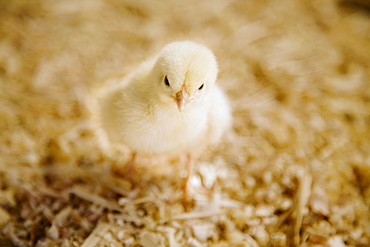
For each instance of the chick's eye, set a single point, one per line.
(201, 86)
(166, 82)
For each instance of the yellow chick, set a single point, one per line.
(170, 105)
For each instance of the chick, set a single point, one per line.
(170, 105)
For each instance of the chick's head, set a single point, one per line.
(186, 71)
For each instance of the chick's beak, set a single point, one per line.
(182, 99)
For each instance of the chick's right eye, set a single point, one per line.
(166, 82)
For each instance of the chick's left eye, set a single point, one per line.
(201, 86)
(166, 82)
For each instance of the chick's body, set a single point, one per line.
(170, 104)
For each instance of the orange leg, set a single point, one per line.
(189, 168)
(130, 168)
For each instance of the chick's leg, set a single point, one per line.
(130, 167)
(189, 168)
(127, 172)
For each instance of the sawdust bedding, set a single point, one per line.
(294, 171)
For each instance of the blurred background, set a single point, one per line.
(295, 171)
